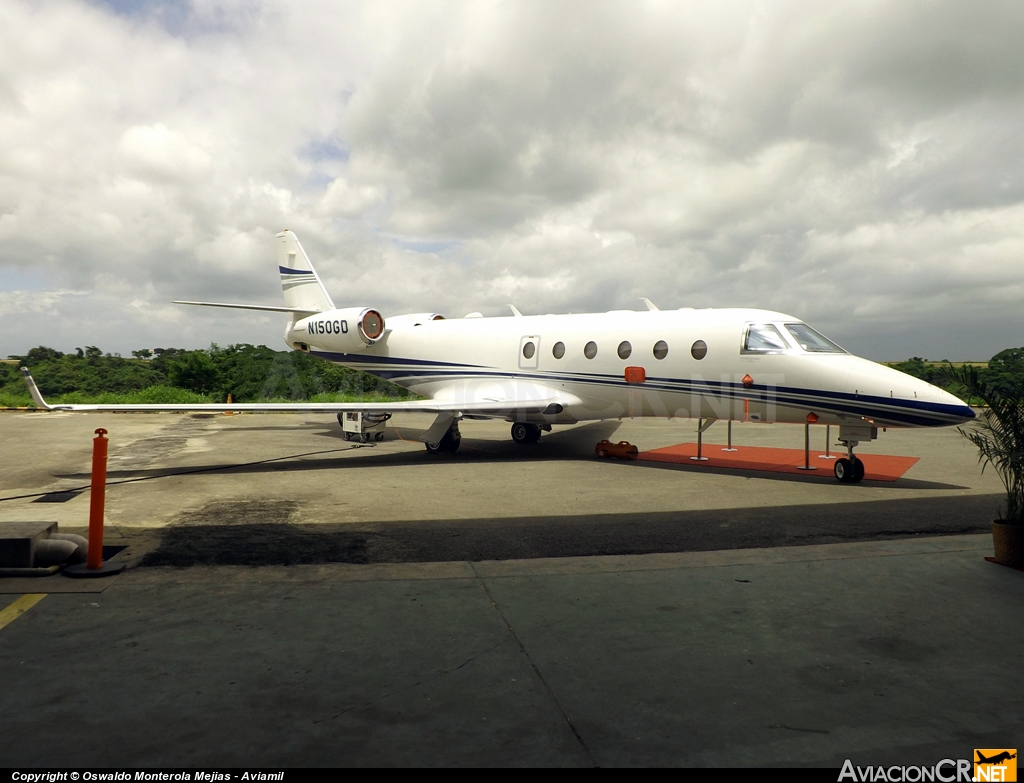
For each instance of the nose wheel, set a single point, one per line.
(847, 471)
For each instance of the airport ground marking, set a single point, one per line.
(18, 607)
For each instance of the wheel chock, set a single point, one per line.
(623, 449)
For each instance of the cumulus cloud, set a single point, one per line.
(859, 167)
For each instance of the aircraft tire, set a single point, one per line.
(452, 439)
(525, 433)
(858, 471)
(449, 443)
(843, 470)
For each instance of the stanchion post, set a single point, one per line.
(811, 418)
(700, 441)
(828, 443)
(729, 447)
(97, 497)
(94, 565)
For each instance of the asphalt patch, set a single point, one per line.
(252, 532)
(269, 543)
(259, 533)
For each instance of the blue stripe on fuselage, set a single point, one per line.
(902, 410)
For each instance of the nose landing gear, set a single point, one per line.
(849, 469)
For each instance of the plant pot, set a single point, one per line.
(1008, 541)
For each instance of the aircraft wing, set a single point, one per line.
(489, 401)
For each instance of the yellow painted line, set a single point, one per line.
(21, 605)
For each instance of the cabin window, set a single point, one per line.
(660, 349)
(529, 349)
(812, 341)
(558, 350)
(763, 338)
(625, 349)
(699, 350)
(590, 350)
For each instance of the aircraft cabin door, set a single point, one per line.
(529, 352)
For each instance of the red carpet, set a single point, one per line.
(877, 467)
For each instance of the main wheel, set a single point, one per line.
(449, 443)
(843, 470)
(858, 471)
(525, 433)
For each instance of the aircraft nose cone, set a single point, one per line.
(957, 406)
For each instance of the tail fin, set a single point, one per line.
(302, 287)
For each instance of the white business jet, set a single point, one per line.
(539, 371)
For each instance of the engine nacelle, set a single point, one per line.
(412, 319)
(343, 331)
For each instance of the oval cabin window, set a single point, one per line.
(529, 349)
(660, 349)
(590, 350)
(625, 349)
(558, 350)
(699, 350)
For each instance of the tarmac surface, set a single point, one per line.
(296, 600)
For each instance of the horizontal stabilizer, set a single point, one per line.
(266, 308)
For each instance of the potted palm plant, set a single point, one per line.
(998, 432)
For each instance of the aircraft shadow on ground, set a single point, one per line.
(252, 533)
(573, 444)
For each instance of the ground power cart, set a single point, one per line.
(363, 426)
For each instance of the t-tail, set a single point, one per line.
(303, 290)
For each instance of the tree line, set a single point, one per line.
(1004, 372)
(249, 373)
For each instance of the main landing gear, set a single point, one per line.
(525, 433)
(449, 442)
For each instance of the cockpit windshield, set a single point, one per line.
(764, 338)
(812, 341)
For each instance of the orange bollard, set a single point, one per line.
(94, 565)
(97, 497)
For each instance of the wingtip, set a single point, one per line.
(33, 390)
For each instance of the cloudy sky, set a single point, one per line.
(856, 165)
